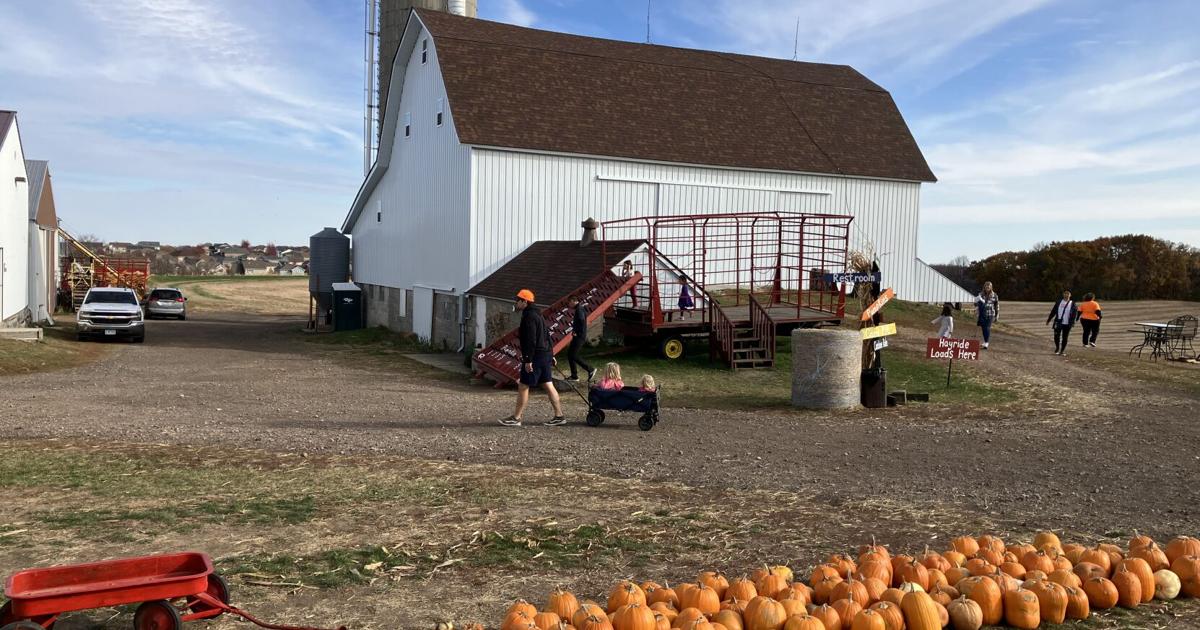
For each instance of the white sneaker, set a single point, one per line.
(511, 421)
(985, 346)
(1092, 345)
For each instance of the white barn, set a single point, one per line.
(43, 243)
(14, 225)
(496, 136)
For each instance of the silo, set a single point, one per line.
(329, 262)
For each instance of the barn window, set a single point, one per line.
(440, 108)
(407, 125)
(424, 51)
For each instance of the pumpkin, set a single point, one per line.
(991, 541)
(585, 610)
(876, 567)
(851, 589)
(714, 580)
(1072, 552)
(1020, 549)
(562, 603)
(1101, 593)
(846, 609)
(594, 622)
(519, 619)
(1182, 546)
(522, 606)
(1145, 576)
(1129, 587)
(822, 571)
(796, 591)
(893, 618)
(943, 615)
(770, 583)
(868, 620)
(914, 572)
(842, 563)
(741, 588)
(1111, 549)
(955, 558)
(893, 595)
(987, 594)
(956, 575)
(920, 611)
(805, 622)
(1014, 569)
(992, 556)
(1190, 586)
(624, 593)
(1088, 570)
(979, 566)
(700, 596)
(793, 607)
(1062, 562)
(941, 596)
(634, 617)
(824, 589)
(965, 545)
(687, 617)
(828, 617)
(551, 621)
(1099, 558)
(662, 622)
(935, 561)
(664, 594)
(898, 560)
(764, 613)
(1022, 609)
(736, 605)
(1139, 541)
(665, 609)
(1186, 566)
(874, 548)
(1007, 582)
(965, 614)
(910, 587)
(875, 588)
(1077, 603)
(1041, 539)
(1052, 601)
(1153, 555)
(1065, 577)
(1038, 561)
(1166, 584)
(729, 618)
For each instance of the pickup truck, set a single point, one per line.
(110, 312)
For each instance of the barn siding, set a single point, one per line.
(14, 231)
(520, 197)
(424, 194)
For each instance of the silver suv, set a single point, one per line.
(166, 302)
(110, 312)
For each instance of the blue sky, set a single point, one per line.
(191, 120)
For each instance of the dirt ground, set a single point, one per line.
(1095, 446)
(1117, 329)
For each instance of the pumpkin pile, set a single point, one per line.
(977, 582)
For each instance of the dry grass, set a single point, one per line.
(57, 350)
(260, 296)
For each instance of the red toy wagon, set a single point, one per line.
(171, 589)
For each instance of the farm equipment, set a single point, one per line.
(170, 589)
(85, 269)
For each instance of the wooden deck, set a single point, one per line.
(634, 319)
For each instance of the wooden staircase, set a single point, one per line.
(742, 348)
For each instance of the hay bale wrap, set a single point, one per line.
(826, 368)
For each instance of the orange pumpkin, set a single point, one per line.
(731, 619)
(1153, 555)
(741, 588)
(701, 596)
(1190, 586)
(893, 595)
(965, 545)
(1077, 603)
(1088, 570)
(634, 617)
(955, 558)
(1042, 539)
(1052, 601)
(624, 593)
(920, 611)
(875, 588)
(842, 563)
(764, 613)
(714, 580)
(664, 594)
(1065, 577)
(1145, 576)
(550, 621)
(873, 548)
(1038, 561)
(893, 618)
(1072, 551)
(915, 572)
(770, 583)
(796, 591)
(1129, 587)
(1014, 569)
(793, 607)
(868, 620)
(665, 609)
(876, 567)
(519, 619)
(594, 622)
(827, 616)
(662, 622)
(687, 617)
(986, 593)
(1186, 566)
(1102, 594)
(851, 589)
(992, 556)
(585, 610)
(823, 590)
(805, 622)
(1182, 546)
(1022, 609)
(846, 609)
(1099, 558)
(934, 560)
(736, 605)
(522, 606)
(822, 571)
(562, 603)
(1062, 562)
(991, 541)
(956, 575)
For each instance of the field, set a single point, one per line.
(335, 481)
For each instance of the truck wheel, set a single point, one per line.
(139, 339)
(157, 615)
(671, 347)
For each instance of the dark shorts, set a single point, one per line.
(542, 372)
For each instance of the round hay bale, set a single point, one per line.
(826, 368)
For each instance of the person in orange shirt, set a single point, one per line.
(1089, 318)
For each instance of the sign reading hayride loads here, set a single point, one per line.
(960, 349)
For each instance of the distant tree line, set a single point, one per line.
(1131, 267)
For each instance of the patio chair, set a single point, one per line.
(1181, 333)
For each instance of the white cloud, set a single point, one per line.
(514, 12)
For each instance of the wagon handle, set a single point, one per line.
(216, 603)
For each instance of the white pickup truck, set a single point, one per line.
(110, 312)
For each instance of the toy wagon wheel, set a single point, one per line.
(646, 422)
(217, 589)
(595, 417)
(157, 615)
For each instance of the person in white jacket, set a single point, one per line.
(945, 321)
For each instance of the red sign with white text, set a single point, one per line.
(943, 348)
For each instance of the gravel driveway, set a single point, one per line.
(1086, 450)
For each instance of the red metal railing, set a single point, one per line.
(720, 334)
(763, 327)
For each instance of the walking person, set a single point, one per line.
(626, 274)
(537, 361)
(945, 321)
(987, 305)
(686, 301)
(1089, 318)
(1063, 315)
(579, 329)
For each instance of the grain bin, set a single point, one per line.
(826, 367)
(329, 263)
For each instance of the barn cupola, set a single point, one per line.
(589, 232)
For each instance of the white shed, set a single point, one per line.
(495, 136)
(43, 243)
(14, 225)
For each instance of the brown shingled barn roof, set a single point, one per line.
(523, 88)
(551, 269)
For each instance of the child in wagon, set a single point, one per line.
(612, 378)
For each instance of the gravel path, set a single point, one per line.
(1087, 451)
